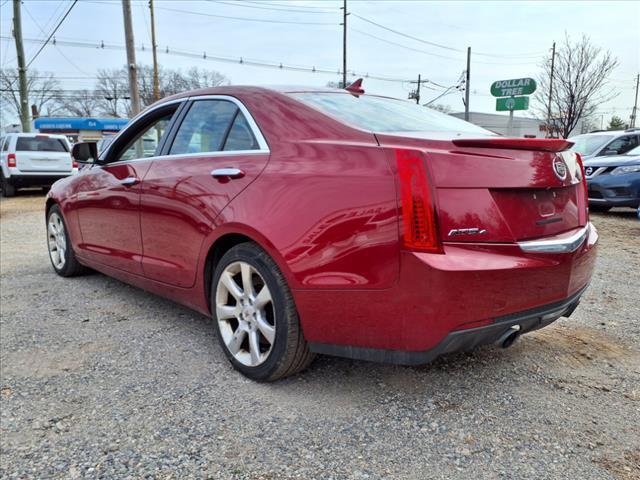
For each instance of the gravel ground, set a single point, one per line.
(102, 380)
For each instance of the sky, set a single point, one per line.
(430, 38)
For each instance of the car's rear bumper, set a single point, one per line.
(35, 180)
(462, 340)
(615, 190)
(442, 303)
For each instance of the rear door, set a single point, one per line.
(214, 153)
(43, 153)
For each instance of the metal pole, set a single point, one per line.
(156, 80)
(22, 69)
(510, 124)
(553, 61)
(131, 58)
(634, 115)
(344, 44)
(467, 85)
(418, 91)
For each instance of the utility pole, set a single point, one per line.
(415, 94)
(634, 113)
(553, 62)
(131, 58)
(344, 43)
(22, 68)
(467, 85)
(156, 80)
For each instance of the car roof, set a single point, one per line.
(36, 134)
(609, 133)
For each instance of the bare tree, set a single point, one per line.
(579, 83)
(82, 104)
(43, 88)
(111, 92)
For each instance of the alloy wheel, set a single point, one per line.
(57, 240)
(245, 313)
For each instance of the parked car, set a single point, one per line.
(333, 222)
(33, 160)
(614, 181)
(605, 143)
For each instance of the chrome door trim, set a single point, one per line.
(557, 245)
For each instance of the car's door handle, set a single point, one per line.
(227, 173)
(129, 181)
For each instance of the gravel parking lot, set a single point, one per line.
(102, 380)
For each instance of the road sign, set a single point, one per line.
(510, 104)
(510, 88)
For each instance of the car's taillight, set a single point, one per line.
(11, 160)
(420, 229)
(583, 180)
(74, 164)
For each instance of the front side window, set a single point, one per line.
(621, 145)
(204, 127)
(146, 142)
(380, 114)
(588, 144)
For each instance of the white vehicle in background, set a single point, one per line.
(33, 160)
(605, 142)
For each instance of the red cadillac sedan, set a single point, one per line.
(312, 221)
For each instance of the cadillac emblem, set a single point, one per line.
(560, 168)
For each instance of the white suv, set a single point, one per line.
(33, 160)
(607, 142)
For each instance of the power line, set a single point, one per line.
(218, 58)
(433, 44)
(228, 17)
(52, 33)
(406, 47)
(245, 4)
(44, 33)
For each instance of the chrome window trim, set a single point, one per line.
(257, 133)
(129, 125)
(562, 245)
(228, 153)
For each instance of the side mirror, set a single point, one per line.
(85, 152)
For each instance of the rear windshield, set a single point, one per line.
(378, 114)
(589, 144)
(41, 144)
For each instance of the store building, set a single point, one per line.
(80, 129)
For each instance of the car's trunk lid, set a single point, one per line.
(501, 189)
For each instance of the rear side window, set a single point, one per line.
(41, 144)
(379, 114)
(204, 127)
(5, 146)
(240, 136)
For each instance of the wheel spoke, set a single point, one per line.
(236, 341)
(267, 330)
(254, 347)
(231, 286)
(225, 312)
(247, 281)
(264, 297)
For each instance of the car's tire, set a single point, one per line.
(63, 258)
(8, 190)
(259, 329)
(599, 208)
